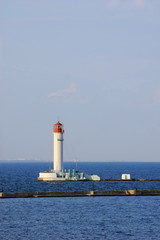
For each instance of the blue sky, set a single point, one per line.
(92, 64)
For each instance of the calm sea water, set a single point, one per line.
(81, 217)
(22, 176)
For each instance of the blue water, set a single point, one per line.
(22, 176)
(81, 218)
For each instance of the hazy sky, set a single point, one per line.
(92, 64)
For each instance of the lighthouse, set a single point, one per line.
(58, 173)
(58, 146)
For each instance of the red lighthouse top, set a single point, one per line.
(58, 127)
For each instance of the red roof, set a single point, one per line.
(58, 123)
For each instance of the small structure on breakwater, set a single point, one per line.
(126, 176)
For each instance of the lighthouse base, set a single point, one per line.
(50, 176)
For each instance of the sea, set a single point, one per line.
(80, 218)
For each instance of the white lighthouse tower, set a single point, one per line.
(58, 147)
(58, 173)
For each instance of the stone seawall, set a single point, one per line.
(130, 180)
(133, 192)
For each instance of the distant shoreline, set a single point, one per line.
(50, 161)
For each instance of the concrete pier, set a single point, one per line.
(92, 193)
(129, 180)
(102, 180)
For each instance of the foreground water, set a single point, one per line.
(81, 218)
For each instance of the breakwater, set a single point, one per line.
(103, 179)
(130, 180)
(92, 193)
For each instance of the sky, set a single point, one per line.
(94, 65)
